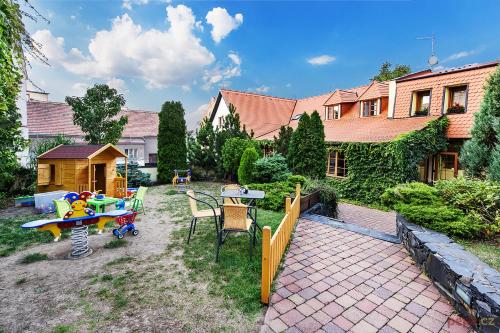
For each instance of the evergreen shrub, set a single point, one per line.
(247, 165)
(271, 169)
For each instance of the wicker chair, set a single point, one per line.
(229, 201)
(214, 211)
(236, 218)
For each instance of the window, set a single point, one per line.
(221, 121)
(447, 165)
(370, 108)
(337, 166)
(131, 153)
(421, 101)
(456, 99)
(333, 112)
(52, 173)
(153, 158)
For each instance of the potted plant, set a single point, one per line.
(456, 108)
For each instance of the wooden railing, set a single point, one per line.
(274, 247)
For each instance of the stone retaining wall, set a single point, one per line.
(471, 285)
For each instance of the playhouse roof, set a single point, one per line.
(80, 151)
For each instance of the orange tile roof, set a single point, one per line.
(260, 113)
(375, 90)
(52, 118)
(342, 96)
(371, 129)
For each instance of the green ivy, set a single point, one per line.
(374, 167)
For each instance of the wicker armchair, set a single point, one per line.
(214, 210)
(229, 201)
(236, 218)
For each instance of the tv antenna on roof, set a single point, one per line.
(433, 59)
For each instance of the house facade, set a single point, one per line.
(46, 119)
(376, 112)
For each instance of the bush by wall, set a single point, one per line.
(327, 196)
(429, 207)
(374, 167)
(135, 177)
(276, 192)
(247, 164)
(271, 169)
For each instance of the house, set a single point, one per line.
(80, 167)
(377, 112)
(47, 119)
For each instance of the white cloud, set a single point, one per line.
(118, 84)
(79, 88)
(459, 55)
(73, 17)
(160, 58)
(222, 72)
(127, 4)
(262, 89)
(321, 60)
(288, 85)
(222, 23)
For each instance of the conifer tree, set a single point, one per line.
(172, 151)
(481, 154)
(282, 142)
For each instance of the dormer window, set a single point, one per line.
(420, 103)
(455, 99)
(333, 112)
(370, 108)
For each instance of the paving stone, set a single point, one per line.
(322, 317)
(376, 319)
(315, 304)
(332, 328)
(277, 325)
(426, 302)
(284, 306)
(366, 306)
(343, 323)
(430, 323)
(394, 304)
(417, 309)
(308, 293)
(346, 301)
(400, 324)
(363, 327)
(338, 290)
(353, 314)
(291, 317)
(305, 309)
(309, 324)
(333, 309)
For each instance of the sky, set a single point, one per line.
(154, 51)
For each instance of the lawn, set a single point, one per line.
(236, 276)
(487, 251)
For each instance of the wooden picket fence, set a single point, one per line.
(274, 247)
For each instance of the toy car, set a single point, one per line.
(126, 223)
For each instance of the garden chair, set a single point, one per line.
(137, 200)
(236, 218)
(62, 207)
(228, 201)
(214, 210)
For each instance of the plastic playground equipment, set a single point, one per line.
(126, 223)
(78, 218)
(181, 177)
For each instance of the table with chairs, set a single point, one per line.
(233, 215)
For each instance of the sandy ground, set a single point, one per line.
(150, 292)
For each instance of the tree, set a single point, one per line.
(96, 114)
(39, 147)
(247, 165)
(282, 142)
(307, 153)
(15, 44)
(232, 152)
(481, 154)
(172, 151)
(387, 73)
(201, 149)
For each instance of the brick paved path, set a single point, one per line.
(335, 280)
(369, 218)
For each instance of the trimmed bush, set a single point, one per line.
(434, 208)
(275, 194)
(233, 150)
(247, 164)
(271, 169)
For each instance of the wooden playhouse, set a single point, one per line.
(78, 168)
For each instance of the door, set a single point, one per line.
(99, 177)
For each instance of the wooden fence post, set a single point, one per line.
(288, 205)
(297, 195)
(266, 265)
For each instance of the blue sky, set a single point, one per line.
(153, 51)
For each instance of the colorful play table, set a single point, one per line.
(100, 204)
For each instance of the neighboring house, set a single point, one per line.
(139, 139)
(377, 112)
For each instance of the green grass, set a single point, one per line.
(63, 328)
(115, 243)
(171, 192)
(236, 276)
(487, 251)
(34, 257)
(21, 281)
(120, 260)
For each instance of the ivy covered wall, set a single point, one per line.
(374, 167)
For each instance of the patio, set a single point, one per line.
(335, 280)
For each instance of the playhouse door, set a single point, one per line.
(99, 177)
